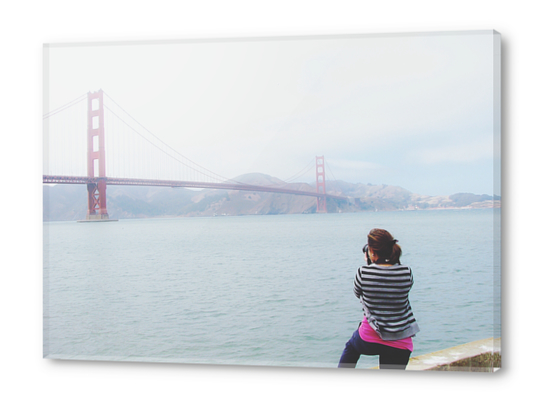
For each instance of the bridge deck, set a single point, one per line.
(191, 184)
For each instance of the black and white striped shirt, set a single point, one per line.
(383, 291)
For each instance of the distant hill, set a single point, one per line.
(65, 202)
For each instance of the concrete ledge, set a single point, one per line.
(98, 220)
(454, 354)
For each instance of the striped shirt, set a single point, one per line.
(383, 292)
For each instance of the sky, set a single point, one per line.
(418, 111)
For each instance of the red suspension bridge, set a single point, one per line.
(151, 162)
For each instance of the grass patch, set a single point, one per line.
(485, 362)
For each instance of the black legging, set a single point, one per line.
(388, 357)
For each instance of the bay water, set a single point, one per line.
(258, 290)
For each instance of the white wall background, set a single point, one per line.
(25, 26)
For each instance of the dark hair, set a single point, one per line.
(384, 246)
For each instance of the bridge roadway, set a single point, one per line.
(176, 183)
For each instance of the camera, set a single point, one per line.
(366, 252)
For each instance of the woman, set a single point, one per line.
(382, 286)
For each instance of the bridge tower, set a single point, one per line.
(320, 184)
(97, 209)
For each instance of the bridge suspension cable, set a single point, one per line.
(212, 175)
(330, 171)
(296, 176)
(178, 158)
(64, 107)
(301, 172)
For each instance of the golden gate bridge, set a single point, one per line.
(75, 154)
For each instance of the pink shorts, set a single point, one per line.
(368, 334)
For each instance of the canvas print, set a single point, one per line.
(313, 201)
